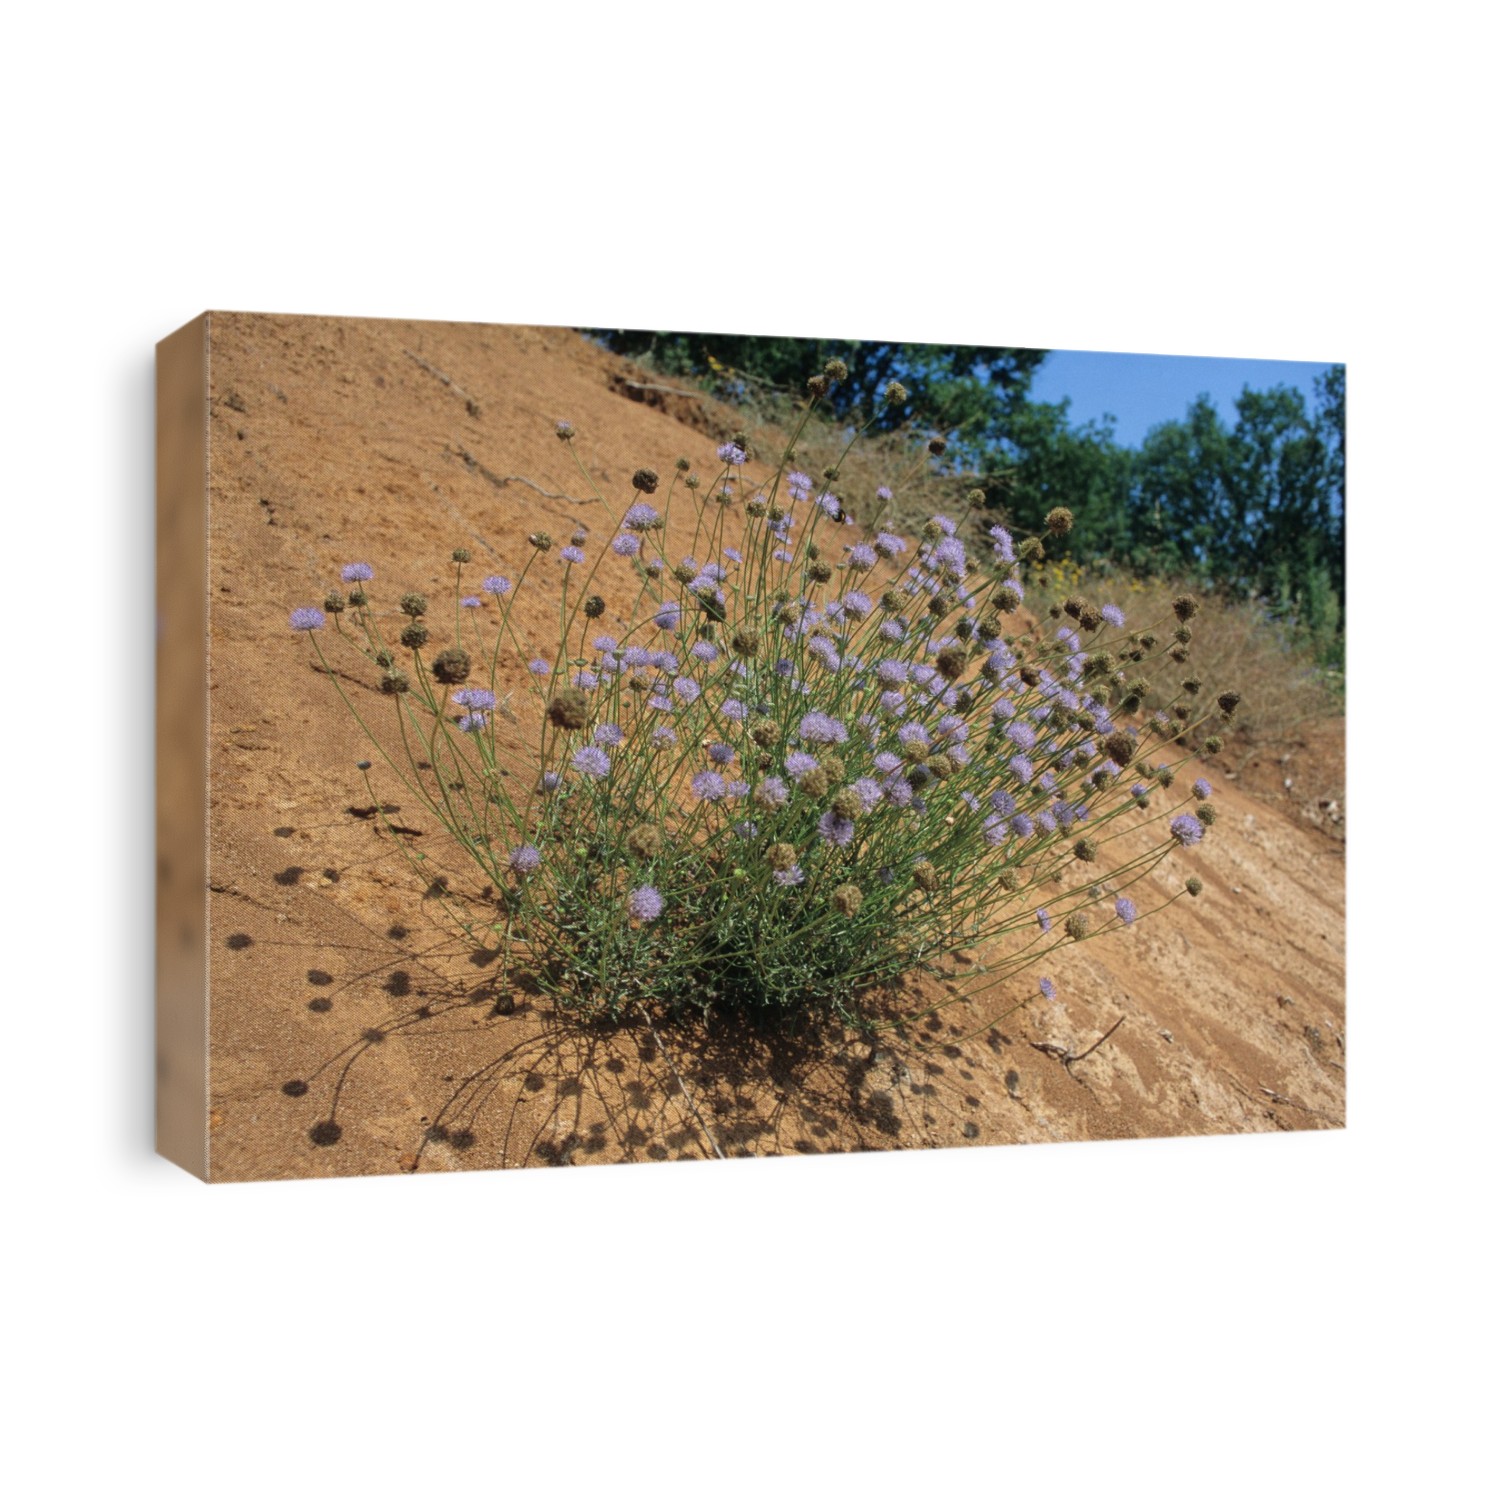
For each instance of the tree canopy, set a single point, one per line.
(1254, 507)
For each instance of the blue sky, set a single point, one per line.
(1140, 390)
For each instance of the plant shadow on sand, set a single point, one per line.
(503, 1078)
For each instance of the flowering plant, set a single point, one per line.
(786, 770)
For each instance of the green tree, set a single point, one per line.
(966, 392)
(1257, 509)
(1047, 462)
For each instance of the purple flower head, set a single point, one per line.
(525, 860)
(663, 736)
(1140, 789)
(858, 603)
(472, 601)
(897, 791)
(1021, 768)
(356, 572)
(1186, 829)
(883, 493)
(887, 761)
(1125, 910)
(995, 830)
(1022, 826)
(660, 702)
(668, 616)
(1047, 989)
(861, 555)
(738, 789)
(734, 710)
(889, 545)
(708, 785)
(949, 556)
(474, 698)
(833, 829)
(625, 545)
(867, 789)
(644, 903)
(606, 643)
(799, 763)
(721, 755)
(734, 554)
(591, 761)
(829, 505)
(892, 630)
(1022, 735)
(947, 527)
(539, 668)
(1202, 790)
(551, 780)
(472, 723)
(818, 729)
(798, 485)
(704, 651)
(1113, 615)
(586, 679)
(731, 453)
(496, 585)
(687, 689)
(641, 517)
(636, 656)
(825, 651)
(772, 792)
(307, 618)
(1002, 802)
(794, 876)
(1004, 547)
(893, 700)
(1043, 919)
(890, 672)
(571, 554)
(608, 735)
(913, 734)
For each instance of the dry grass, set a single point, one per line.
(1235, 645)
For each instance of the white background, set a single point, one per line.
(1277, 1315)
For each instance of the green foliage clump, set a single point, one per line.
(795, 766)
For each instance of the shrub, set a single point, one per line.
(818, 758)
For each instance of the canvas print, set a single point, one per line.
(596, 746)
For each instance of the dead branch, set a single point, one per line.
(446, 379)
(1067, 1057)
(668, 390)
(501, 480)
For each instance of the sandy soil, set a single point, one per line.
(351, 1033)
